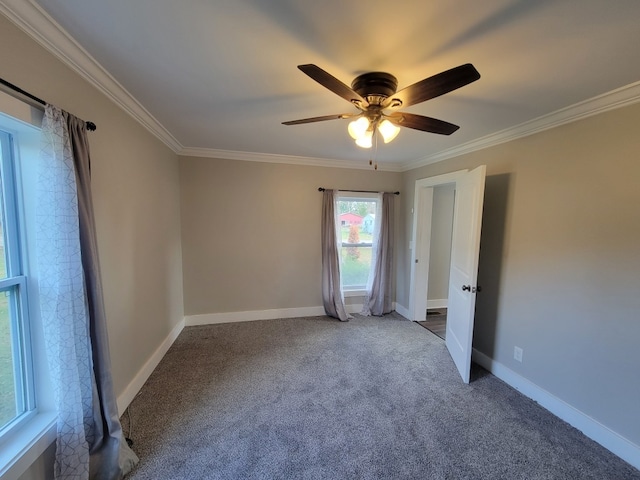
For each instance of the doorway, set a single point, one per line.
(443, 205)
(463, 266)
(433, 212)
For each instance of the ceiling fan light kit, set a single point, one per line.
(363, 128)
(388, 130)
(357, 128)
(375, 95)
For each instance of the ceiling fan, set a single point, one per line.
(374, 95)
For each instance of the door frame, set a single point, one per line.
(421, 238)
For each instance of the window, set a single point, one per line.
(355, 224)
(16, 385)
(27, 412)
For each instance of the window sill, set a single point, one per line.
(25, 446)
(354, 293)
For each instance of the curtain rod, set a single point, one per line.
(90, 125)
(321, 189)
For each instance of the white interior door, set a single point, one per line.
(465, 249)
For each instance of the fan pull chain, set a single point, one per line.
(375, 151)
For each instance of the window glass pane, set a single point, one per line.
(356, 262)
(356, 223)
(7, 377)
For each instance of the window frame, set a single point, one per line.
(15, 283)
(32, 435)
(353, 290)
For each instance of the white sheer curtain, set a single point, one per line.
(63, 298)
(379, 297)
(72, 311)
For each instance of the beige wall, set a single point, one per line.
(251, 231)
(441, 235)
(135, 183)
(559, 261)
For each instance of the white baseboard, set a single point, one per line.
(249, 316)
(130, 392)
(402, 310)
(438, 303)
(593, 429)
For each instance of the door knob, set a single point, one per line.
(466, 288)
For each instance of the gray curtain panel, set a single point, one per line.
(379, 299)
(331, 289)
(110, 456)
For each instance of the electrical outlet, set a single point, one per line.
(517, 354)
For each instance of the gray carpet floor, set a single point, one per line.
(314, 398)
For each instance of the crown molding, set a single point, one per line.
(35, 22)
(287, 159)
(620, 97)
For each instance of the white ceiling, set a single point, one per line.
(220, 75)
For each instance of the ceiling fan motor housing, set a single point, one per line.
(375, 86)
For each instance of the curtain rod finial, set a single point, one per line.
(320, 189)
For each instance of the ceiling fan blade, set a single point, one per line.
(332, 83)
(419, 122)
(434, 86)
(320, 119)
